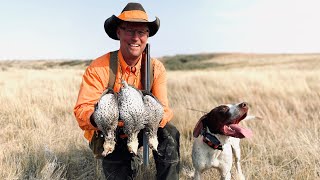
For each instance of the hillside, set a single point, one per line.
(189, 62)
(40, 138)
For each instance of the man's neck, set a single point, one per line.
(132, 61)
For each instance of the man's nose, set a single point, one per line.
(135, 34)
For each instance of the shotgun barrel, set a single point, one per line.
(147, 88)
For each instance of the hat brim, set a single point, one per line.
(111, 25)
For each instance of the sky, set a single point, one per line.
(73, 29)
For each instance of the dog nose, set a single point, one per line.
(243, 105)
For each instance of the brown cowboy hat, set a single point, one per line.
(133, 12)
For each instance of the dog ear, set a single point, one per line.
(197, 129)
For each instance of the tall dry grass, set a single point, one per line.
(40, 138)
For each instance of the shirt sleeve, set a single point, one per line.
(90, 91)
(159, 89)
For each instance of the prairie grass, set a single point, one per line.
(40, 138)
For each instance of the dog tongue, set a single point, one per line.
(240, 132)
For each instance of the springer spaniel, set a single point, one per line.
(217, 134)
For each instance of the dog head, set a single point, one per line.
(224, 120)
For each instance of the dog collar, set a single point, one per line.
(211, 140)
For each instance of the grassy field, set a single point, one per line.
(40, 138)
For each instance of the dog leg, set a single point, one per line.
(237, 154)
(225, 162)
(238, 165)
(225, 175)
(215, 161)
(197, 175)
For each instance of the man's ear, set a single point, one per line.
(118, 33)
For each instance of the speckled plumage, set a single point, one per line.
(132, 112)
(154, 114)
(106, 117)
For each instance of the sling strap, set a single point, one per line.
(113, 67)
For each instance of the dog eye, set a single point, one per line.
(224, 109)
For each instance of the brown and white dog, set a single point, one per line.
(217, 134)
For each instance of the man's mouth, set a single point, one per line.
(134, 45)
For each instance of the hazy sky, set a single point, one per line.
(73, 29)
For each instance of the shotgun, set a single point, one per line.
(147, 88)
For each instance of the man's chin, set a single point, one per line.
(135, 53)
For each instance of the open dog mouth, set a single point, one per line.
(235, 130)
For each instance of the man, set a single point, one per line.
(132, 29)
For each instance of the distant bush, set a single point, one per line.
(4, 69)
(189, 62)
(75, 63)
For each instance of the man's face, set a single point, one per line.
(133, 39)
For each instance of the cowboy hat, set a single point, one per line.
(133, 12)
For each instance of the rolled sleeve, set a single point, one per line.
(159, 89)
(90, 91)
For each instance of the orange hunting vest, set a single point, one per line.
(96, 79)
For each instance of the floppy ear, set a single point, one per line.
(197, 129)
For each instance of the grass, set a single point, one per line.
(40, 138)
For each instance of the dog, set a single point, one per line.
(217, 134)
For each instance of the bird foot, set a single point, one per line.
(133, 147)
(153, 143)
(108, 147)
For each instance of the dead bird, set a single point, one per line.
(132, 112)
(154, 114)
(106, 117)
